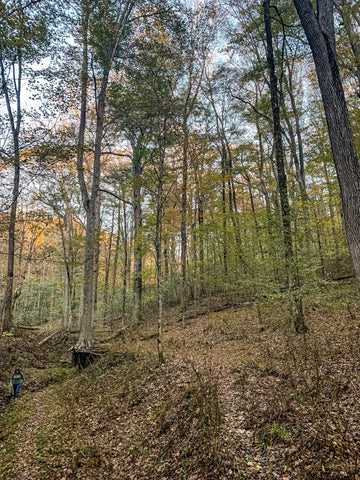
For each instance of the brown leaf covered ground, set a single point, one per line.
(231, 402)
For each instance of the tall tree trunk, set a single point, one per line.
(81, 146)
(200, 218)
(107, 270)
(7, 311)
(91, 205)
(183, 232)
(116, 260)
(92, 202)
(224, 213)
(15, 124)
(96, 254)
(127, 260)
(319, 30)
(158, 277)
(293, 280)
(64, 224)
(158, 229)
(137, 169)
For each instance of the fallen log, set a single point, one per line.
(215, 310)
(49, 337)
(23, 327)
(116, 335)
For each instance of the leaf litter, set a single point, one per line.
(229, 403)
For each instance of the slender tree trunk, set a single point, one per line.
(127, 261)
(319, 30)
(92, 202)
(66, 242)
(107, 269)
(96, 254)
(116, 260)
(200, 219)
(92, 226)
(159, 280)
(223, 205)
(7, 312)
(137, 169)
(293, 279)
(80, 159)
(183, 232)
(166, 257)
(15, 125)
(263, 189)
(69, 265)
(158, 229)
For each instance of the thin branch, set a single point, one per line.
(148, 15)
(116, 196)
(168, 192)
(29, 4)
(128, 155)
(252, 106)
(36, 259)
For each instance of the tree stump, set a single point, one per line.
(82, 358)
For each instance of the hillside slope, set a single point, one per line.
(230, 402)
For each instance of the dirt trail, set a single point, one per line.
(26, 448)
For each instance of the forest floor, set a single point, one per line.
(232, 401)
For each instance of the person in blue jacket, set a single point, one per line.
(16, 381)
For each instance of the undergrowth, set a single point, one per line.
(232, 401)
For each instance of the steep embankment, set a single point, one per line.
(230, 403)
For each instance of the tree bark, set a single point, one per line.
(137, 169)
(319, 30)
(15, 124)
(158, 229)
(91, 202)
(107, 307)
(293, 281)
(184, 202)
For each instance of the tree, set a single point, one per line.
(136, 100)
(196, 45)
(345, 9)
(297, 313)
(319, 29)
(22, 39)
(104, 38)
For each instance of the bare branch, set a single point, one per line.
(128, 155)
(246, 102)
(116, 196)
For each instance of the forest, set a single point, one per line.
(180, 239)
